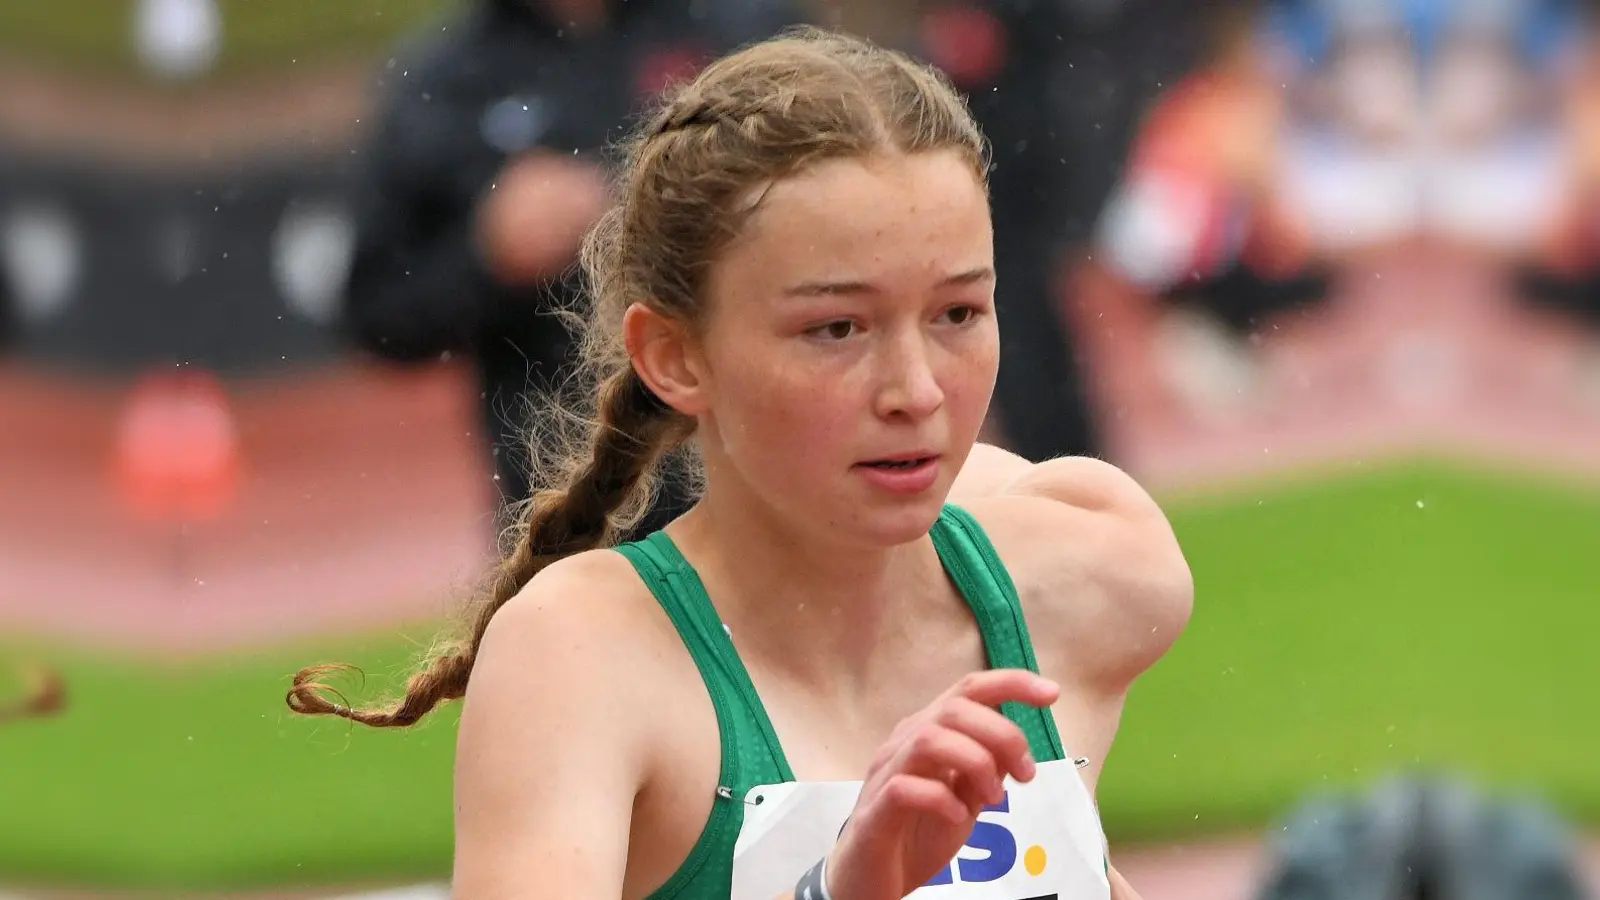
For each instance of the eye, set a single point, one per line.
(961, 315)
(837, 330)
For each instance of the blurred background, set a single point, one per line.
(1323, 274)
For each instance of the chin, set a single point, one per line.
(891, 525)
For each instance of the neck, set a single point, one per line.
(820, 610)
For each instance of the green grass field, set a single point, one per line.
(96, 35)
(1345, 627)
(197, 777)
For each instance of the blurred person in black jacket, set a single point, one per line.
(7, 314)
(1041, 160)
(1058, 86)
(485, 171)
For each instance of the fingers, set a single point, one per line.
(957, 760)
(1000, 738)
(963, 745)
(969, 708)
(997, 686)
(917, 794)
(970, 747)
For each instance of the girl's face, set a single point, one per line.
(850, 351)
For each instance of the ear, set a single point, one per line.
(662, 354)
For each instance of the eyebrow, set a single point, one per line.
(825, 288)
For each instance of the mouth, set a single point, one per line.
(899, 463)
(904, 473)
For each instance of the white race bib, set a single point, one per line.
(1043, 841)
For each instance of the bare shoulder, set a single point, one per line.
(1096, 563)
(594, 590)
(554, 736)
(585, 624)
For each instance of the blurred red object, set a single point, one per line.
(177, 448)
(667, 66)
(965, 41)
(1199, 192)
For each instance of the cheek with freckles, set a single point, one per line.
(785, 425)
(967, 397)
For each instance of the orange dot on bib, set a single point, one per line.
(1034, 859)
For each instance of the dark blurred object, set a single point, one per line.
(1576, 296)
(1241, 297)
(1063, 117)
(1005, 55)
(1057, 87)
(8, 311)
(504, 81)
(1564, 276)
(1422, 837)
(117, 269)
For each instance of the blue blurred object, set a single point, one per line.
(1419, 837)
(1538, 29)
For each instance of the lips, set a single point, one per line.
(909, 473)
(908, 462)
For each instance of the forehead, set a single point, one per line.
(894, 217)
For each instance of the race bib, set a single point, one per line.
(1043, 840)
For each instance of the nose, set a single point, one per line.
(909, 387)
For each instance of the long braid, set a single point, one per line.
(691, 176)
(630, 434)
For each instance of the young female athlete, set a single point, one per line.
(798, 276)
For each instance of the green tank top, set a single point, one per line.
(751, 754)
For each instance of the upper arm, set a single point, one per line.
(549, 755)
(989, 471)
(1110, 565)
(1090, 484)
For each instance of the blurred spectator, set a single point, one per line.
(1044, 80)
(1052, 85)
(1193, 219)
(485, 171)
(1412, 117)
(1006, 55)
(1562, 275)
(1320, 134)
(7, 311)
(8, 272)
